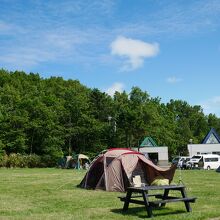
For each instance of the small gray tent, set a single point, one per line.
(114, 169)
(218, 169)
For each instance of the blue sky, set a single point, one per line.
(171, 49)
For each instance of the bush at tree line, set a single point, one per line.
(24, 161)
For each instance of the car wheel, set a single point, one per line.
(208, 167)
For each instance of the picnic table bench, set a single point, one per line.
(160, 198)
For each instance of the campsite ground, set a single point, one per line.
(52, 194)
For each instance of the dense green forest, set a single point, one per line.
(56, 117)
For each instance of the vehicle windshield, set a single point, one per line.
(196, 157)
(176, 159)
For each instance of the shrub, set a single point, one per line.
(31, 161)
(3, 160)
(2, 153)
(48, 161)
(17, 160)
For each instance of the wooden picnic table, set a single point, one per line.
(161, 198)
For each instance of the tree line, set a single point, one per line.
(57, 117)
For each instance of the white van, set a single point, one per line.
(210, 161)
(194, 162)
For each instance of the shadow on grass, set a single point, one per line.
(140, 212)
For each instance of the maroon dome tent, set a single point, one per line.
(114, 169)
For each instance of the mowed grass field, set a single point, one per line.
(52, 194)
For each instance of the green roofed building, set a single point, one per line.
(158, 154)
(148, 142)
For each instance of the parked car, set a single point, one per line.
(181, 161)
(193, 162)
(184, 163)
(175, 160)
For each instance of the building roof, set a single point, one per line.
(211, 138)
(148, 142)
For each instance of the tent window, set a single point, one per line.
(109, 160)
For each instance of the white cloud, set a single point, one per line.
(25, 57)
(212, 106)
(135, 51)
(173, 80)
(79, 7)
(45, 46)
(9, 29)
(119, 87)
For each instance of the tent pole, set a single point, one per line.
(106, 183)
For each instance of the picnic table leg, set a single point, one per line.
(147, 205)
(165, 195)
(127, 200)
(187, 204)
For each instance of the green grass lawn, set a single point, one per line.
(52, 194)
